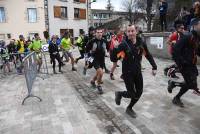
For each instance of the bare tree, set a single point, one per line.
(148, 8)
(129, 7)
(109, 5)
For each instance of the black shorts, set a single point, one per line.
(113, 57)
(98, 64)
(190, 77)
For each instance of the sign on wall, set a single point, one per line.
(157, 41)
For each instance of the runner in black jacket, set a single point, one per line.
(54, 54)
(185, 55)
(133, 48)
(97, 49)
(87, 39)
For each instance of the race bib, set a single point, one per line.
(22, 55)
(90, 59)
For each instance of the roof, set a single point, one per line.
(113, 12)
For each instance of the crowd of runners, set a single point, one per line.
(14, 52)
(125, 46)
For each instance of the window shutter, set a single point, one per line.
(57, 11)
(82, 13)
(82, 1)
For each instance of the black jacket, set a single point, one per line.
(186, 51)
(133, 55)
(97, 48)
(53, 48)
(12, 48)
(163, 8)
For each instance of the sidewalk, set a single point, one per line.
(62, 110)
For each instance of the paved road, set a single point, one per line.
(71, 106)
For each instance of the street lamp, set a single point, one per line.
(89, 4)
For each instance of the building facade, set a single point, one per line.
(67, 15)
(102, 17)
(21, 17)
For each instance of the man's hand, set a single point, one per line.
(154, 72)
(116, 44)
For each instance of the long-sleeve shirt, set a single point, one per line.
(53, 48)
(12, 48)
(98, 48)
(133, 55)
(163, 8)
(186, 51)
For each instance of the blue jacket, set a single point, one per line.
(163, 8)
(58, 42)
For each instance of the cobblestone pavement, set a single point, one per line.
(62, 110)
(156, 113)
(71, 106)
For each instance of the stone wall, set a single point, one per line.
(157, 45)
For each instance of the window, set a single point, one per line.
(2, 15)
(64, 12)
(105, 16)
(95, 24)
(2, 36)
(95, 16)
(60, 12)
(100, 15)
(76, 12)
(62, 31)
(79, 13)
(32, 15)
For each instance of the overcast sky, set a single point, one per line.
(101, 4)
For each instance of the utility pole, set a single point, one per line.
(89, 2)
(46, 12)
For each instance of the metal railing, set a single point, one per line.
(30, 64)
(30, 71)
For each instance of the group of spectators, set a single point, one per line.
(185, 14)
